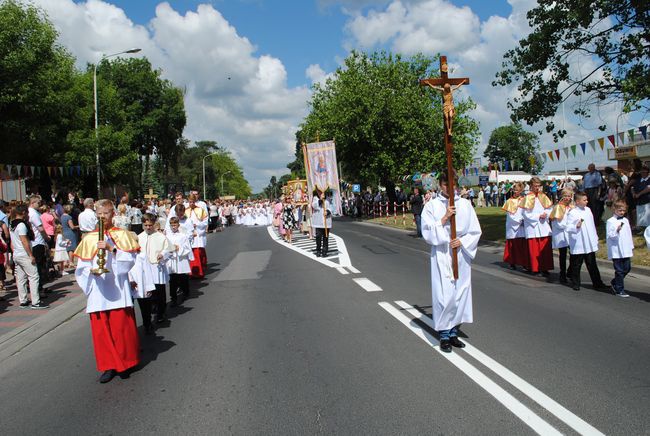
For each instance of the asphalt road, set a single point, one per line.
(274, 342)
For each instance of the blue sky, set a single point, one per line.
(274, 51)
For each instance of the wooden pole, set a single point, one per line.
(451, 194)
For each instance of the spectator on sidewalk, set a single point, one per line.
(87, 218)
(641, 194)
(40, 243)
(417, 203)
(24, 260)
(592, 184)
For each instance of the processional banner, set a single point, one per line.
(322, 170)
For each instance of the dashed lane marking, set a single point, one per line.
(366, 284)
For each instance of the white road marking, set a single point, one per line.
(353, 270)
(529, 417)
(342, 270)
(367, 284)
(532, 392)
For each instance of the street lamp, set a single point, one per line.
(227, 172)
(133, 50)
(204, 158)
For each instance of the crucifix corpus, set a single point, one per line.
(447, 86)
(150, 195)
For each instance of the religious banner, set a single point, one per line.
(297, 190)
(322, 170)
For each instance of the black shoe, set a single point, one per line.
(40, 305)
(545, 273)
(161, 319)
(513, 266)
(563, 280)
(455, 342)
(445, 345)
(576, 287)
(324, 254)
(174, 303)
(107, 376)
(24, 305)
(318, 254)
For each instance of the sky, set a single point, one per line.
(248, 65)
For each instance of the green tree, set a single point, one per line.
(515, 145)
(384, 123)
(615, 34)
(35, 75)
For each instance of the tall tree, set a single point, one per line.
(514, 145)
(35, 76)
(614, 35)
(386, 125)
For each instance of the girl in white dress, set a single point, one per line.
(60, 250)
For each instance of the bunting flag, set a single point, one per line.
(583, 146)
(9, 169)
(621, 138)
(550, 155)
(592, 144)
(566, 152)
(644, 132)
(573, 150)
(532, 160)
(557, 154)
(612, 139)
(33, 170)
(630, 134)
(601, 142)
(61, 171)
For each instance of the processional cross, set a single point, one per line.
(448, 85)
(150, 195)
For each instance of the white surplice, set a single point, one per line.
(584, 239)
(452, 299)
(200, 226)
(514, 224)
(111, 290)
(179, 262)
(533, 225)
(151, 246)
(559, 235)
(619, 243)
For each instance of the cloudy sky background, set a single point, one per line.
(248, 65)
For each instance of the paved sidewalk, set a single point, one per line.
(20, 327)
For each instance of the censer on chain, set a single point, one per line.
(101, 253)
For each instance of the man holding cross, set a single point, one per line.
(452, 298)
(453, 231)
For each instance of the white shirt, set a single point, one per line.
(582, 240)
(35, 221)
(620, 244)
(16, 242)
(87, 220)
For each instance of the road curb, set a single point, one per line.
(15, 341)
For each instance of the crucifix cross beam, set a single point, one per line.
(151, 195)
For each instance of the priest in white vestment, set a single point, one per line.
(452, 299)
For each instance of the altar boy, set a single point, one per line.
(583, 242)
(620, 246)
(179, 262)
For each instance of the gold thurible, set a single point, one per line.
(101, 254)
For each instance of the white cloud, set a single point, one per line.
(233, 95)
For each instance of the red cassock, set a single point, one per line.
(516, 252)
(204, 256)
(540, 252)
(115, 339)
(197, 265)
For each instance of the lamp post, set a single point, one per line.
(227, 172)
(133, 50)
(204, 158)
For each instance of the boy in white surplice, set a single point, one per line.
(452, 299)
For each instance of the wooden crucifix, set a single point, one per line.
(448, 85)
(150, 196)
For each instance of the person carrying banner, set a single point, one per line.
(321, 220)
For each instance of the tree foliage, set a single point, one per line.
(385, 124)
(614, 35)
(513, 144)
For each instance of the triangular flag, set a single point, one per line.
(33, 171)
(630, 133)
(532, 160)
(592, 143)
(2, 167)
(612, 139)
(557, 153)
(61, 171)
(621, 138)
(601, 142)
(644, 131)
(9, 169)
(550, 154)
(566, 151)
(19, 167)
(78, 170)
(584, 147)
(49, 171)
(573, 149)
(544, 156)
